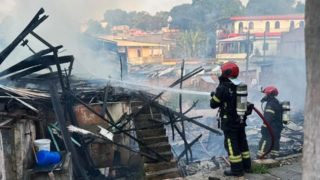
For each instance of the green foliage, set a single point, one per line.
(191, 43)
(203, 14)
(141, 20)
(117, 17)
(260, 169)
(272, 7)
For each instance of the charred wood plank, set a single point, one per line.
(183, 134)
(119, 129)
(193, 106)
(34, 23)
(47, 61)
(189, 146)
(79, 170)
(165, 110)
(187, 76)
(33, 60)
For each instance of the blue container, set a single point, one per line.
(47, 158)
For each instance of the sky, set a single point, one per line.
(90, 9)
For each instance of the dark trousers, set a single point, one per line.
(236, 144)
(265, 141)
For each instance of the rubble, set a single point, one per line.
(96, 124)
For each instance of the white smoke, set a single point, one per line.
(61, 28)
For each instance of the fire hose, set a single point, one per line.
(269, 130)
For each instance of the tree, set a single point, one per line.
(160, 19)
(141, 20)
(311, 155)
(117, 17)
(184, 17)
(191, 43)
(270, 7)
(202, 14)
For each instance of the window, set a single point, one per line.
(291, 25)
(267, 26)
(139, 52)
(251, 25)
(232, 28)
(277, 25)
(301, 24)
(240, 30)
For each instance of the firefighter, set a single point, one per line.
(273, 114)
(232, 125)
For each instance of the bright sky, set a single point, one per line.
(89, 9)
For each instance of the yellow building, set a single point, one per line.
(140, 52)
(260, 33)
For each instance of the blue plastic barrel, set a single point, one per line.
(48, 157)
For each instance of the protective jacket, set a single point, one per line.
(225, 98)
(273, 114)
(233, 127)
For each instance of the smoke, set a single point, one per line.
(61, 28)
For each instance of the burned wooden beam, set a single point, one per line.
(183, 134)
(47, 62)
(193, 106)
(79, 171)
(36, 59)
(164, 110)
(185, 77)
(118, 128)
(189, 146)
(34, 23)
(171, 124)
(88, 133)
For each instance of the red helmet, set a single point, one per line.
(271, 90)
(230, 70)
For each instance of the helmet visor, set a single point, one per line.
(235, 81)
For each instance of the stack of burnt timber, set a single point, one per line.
(153, 135)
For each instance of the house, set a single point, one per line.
(139, 52)
(257, 36)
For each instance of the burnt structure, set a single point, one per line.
(35, 106)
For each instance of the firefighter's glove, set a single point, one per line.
(212, 93)
(249, 109)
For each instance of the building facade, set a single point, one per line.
(139, 52)
(259, 36)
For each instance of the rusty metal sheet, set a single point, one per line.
(88, 120)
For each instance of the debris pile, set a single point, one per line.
(100, 130)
